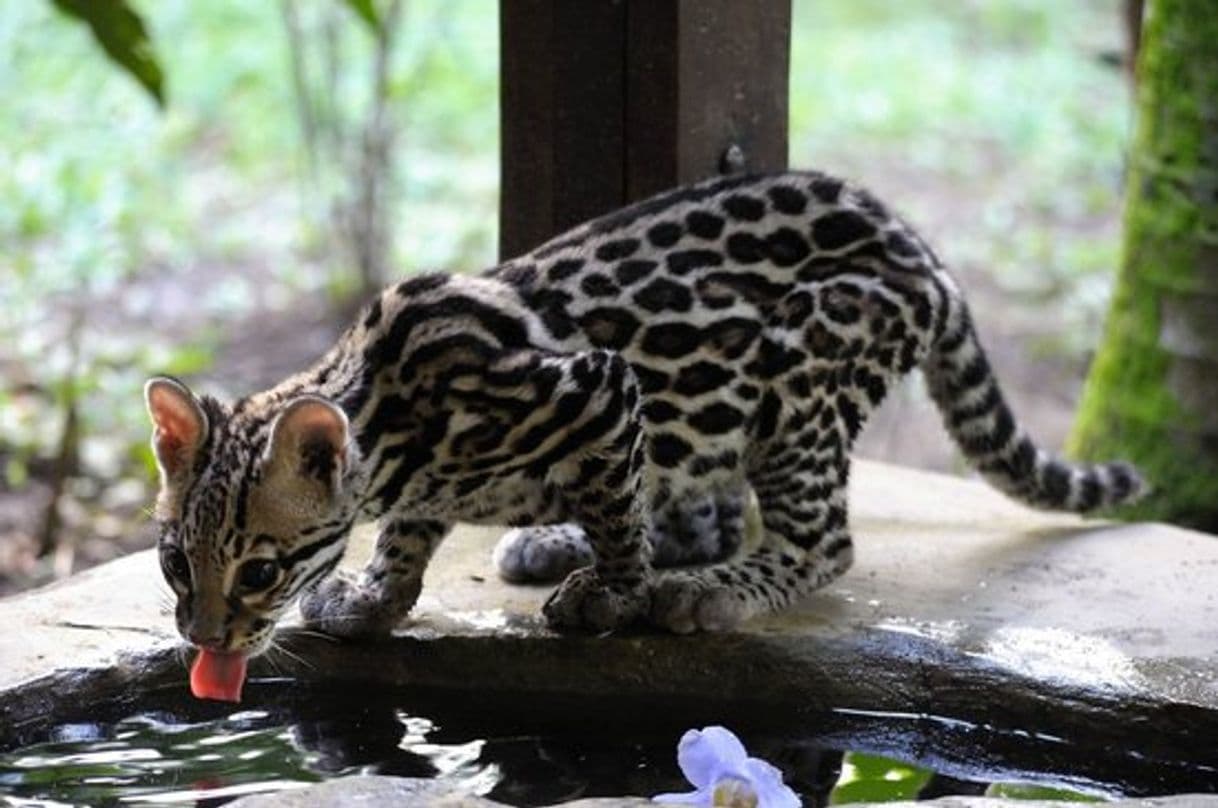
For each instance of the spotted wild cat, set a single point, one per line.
(616, 395)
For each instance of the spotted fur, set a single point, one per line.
(618, 395)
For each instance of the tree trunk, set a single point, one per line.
(1152, 395)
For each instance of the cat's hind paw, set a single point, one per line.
(541, 554)
(585, 603)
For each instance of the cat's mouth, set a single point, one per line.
(218, 675)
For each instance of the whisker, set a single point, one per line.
(297, 658)
(321, 635)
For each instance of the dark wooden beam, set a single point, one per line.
(607, 101)
(704, 76)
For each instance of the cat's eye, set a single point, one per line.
(175, 565)
(257, 574)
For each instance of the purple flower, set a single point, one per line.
(716, 763)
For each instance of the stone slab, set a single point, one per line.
(961, 604)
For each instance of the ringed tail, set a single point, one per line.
(978, 418)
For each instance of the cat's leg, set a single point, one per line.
(373, 601)
(694, 529)
(542, 554)
(699, 528)
(805, 544)
(599, 479)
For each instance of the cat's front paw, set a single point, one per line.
(342, 607)
(684, 603)
(585, 603)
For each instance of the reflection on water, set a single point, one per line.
(202, 755)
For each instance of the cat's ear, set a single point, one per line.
(179, 426)
(309, 445)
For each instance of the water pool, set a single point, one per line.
(533, 750)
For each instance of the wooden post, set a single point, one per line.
(604, 102)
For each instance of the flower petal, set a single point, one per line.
(767, 782)
(700, 797)
(705, 756)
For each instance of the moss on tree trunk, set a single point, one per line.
(1152, 394)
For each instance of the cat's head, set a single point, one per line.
(251, 507)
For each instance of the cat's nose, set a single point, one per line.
(205, 639)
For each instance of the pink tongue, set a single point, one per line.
(217, 676)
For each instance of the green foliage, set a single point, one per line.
(1027, 791)
(871, 778)
(160, 229)
(366, 10)
(121, 33)
(970, 117)
(1149, 397)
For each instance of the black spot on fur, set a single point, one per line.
(682, 262)
(598, 285)
(744, 208)
(668, 450)
(1057, 482)
(551, 305)
(663, 294)
(841, 228)
(827, 189)
(786, 247)
(900, 245)
(671, 340)
(659, 411)
(752, 286)
(851, 415)
(704, 225)
(872, 384)
(633, 270)
(868, 202)
(733, 336)
(774, 360)
(650, 381)
(522, 275)
(374, 314)
(798, 308)
(664, 234)
(609, 327)
(1089, 492)
(618, 249)
(717, 418)
(767, 415)
(788, 200)
(420, 284)
(701, 377)
(564, 269)
(746, 248)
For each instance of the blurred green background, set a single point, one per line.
(212, 238)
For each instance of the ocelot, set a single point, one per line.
(617, 396)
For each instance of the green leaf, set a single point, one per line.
(121, 33)
(367, 12)
(871, 778)
(1029, 791)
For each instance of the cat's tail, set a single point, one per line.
(978, 417)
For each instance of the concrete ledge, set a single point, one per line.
(961, 604)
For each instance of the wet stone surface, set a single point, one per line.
(961, 605)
